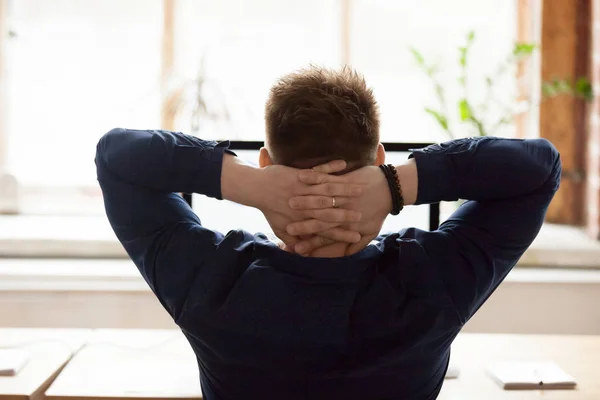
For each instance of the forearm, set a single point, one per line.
(485, 169)
(240, 181)
(161, 161)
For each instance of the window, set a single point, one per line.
(243, 47)
(384, 31)
(76, 68)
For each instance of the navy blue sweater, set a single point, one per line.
(267, 324)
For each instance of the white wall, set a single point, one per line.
(553, 308)
(530, 301)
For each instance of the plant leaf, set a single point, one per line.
(562, 86)
(464, 109)
(442, 120)
(523, 49)
(470, 36)
(431, 70)
(555, 87)
(583, 88)
(463, 56)
(548, 89)
(505, 121)
(479, 125)
(418, 57)
(439, 91)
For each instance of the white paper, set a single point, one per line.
(452, 372)
(537, 374)
(11, 361)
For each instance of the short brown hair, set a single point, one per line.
(317, 115)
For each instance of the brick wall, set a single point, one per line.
(593, 145)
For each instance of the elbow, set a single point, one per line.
(106, 142)
(110, 137)
(552, 162)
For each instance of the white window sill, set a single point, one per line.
(70, 275)
(58, 236)
(86, 275)
(556, 246)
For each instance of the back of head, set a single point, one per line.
(317, 115)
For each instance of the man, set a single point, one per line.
(329, 316)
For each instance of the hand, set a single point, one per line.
(280, 183)
(374, 205)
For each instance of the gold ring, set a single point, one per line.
(334, 205)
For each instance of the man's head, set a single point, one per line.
(317, 115)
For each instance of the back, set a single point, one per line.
(378, 324)
(273, 324)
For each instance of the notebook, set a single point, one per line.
(11, 361)
(452, 372)
(530, 376)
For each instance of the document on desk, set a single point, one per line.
(531, 375)
(452, 372)
(11, 361)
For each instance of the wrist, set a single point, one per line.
(239, 181)
(408, 177)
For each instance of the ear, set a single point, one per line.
(264, 158)
(380, 158)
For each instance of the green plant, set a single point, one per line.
(477, 117)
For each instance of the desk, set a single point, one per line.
(48, 349)
(148, 364)
(126, 364)
(473, 353)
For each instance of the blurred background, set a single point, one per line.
(76, 68)
(70, 70)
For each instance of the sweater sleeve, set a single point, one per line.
(508, 185)
(141, 174)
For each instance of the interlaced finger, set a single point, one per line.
(330, 167)
(341, 235)
(309, 227)
(312, 177)
(316, 202)
(305, 247)
(327, 237)
(332, 189)
(339, 215)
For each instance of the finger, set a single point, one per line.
(316, 202)
(330, 167)
(355, 247)
(341, 235)
(339, 215)
(309, 227)
(308, 246)
(287, 239)
(313, 177)
(332, 189)
(325, 238)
